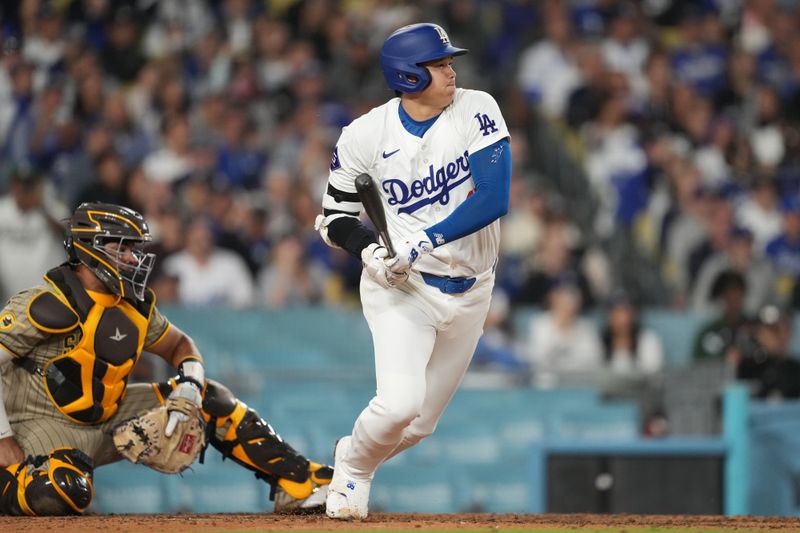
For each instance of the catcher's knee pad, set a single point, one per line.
(56, 484)
(251, 442)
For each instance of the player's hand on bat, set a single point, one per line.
(409, 250)
(10, 452)
(378, 266)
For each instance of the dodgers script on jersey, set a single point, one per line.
(423, 180)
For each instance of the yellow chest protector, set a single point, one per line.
(87, 383)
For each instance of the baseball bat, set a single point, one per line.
(371, 200)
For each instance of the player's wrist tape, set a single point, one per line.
(183, 379)
(192, 371)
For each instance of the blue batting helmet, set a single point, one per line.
(407, 48)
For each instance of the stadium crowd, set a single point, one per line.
(656, 146)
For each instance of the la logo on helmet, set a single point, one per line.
(442, 35)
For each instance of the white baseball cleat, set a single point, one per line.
(348, 497)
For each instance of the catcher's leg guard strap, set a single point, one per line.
(250, 441)
(56, 484)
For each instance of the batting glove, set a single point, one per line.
(378, 267)
(194, 373)
(409, 250)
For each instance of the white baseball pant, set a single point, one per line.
(424, 341)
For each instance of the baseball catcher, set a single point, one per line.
(67, 349)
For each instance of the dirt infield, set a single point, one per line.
(386, 521)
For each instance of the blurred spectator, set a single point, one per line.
(760, 213)
(239, 162)
(30, 240)
(719, 230)
(547, 71)
(615, 162)
(174, 161)
(766, 362)
(784, 250)
(288, 280)
(168, 239)
(110, 184)
(208, 275)
(16, 114)
(121, 55)
(731, 325)
(130, 140)
(177, 26)
(684, 225)
(78, 170)
(496, 350)
(767, 135)
(699, 60)
(584, 102)
(206, 122)
(654, 104)
(522, 229)
(553, 258)
(628, 347)
(625, 49)
(736, 98)
(714, 139)
(167, 228)
(560, 342)
(740, 257)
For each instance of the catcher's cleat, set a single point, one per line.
(320, 474)
(47, 485)
(314, 504)
(348, 496)
(320, 477)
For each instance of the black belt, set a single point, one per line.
(448, 285)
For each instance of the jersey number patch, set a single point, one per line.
(486, 124)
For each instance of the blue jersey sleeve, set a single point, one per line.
(491, 172)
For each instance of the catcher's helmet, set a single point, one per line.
(407, 48)
(107, 238)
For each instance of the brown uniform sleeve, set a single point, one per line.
(156, 329)
(17, 334)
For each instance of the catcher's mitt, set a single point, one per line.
(142, 439)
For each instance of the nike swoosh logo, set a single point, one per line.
(390, 154)
(118, 336)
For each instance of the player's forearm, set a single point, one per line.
(349, 233)
(339, 225)
(176, 347)
(491, 172)
(187, 359)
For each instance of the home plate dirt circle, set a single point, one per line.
(386, 522)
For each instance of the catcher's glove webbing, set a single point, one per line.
(142, 439)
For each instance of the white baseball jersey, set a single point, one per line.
(423, 180)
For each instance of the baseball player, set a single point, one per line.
(442, 163)
(67, 348)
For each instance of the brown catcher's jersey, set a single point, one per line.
(74, 348)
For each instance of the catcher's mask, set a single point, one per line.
(108, 239)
